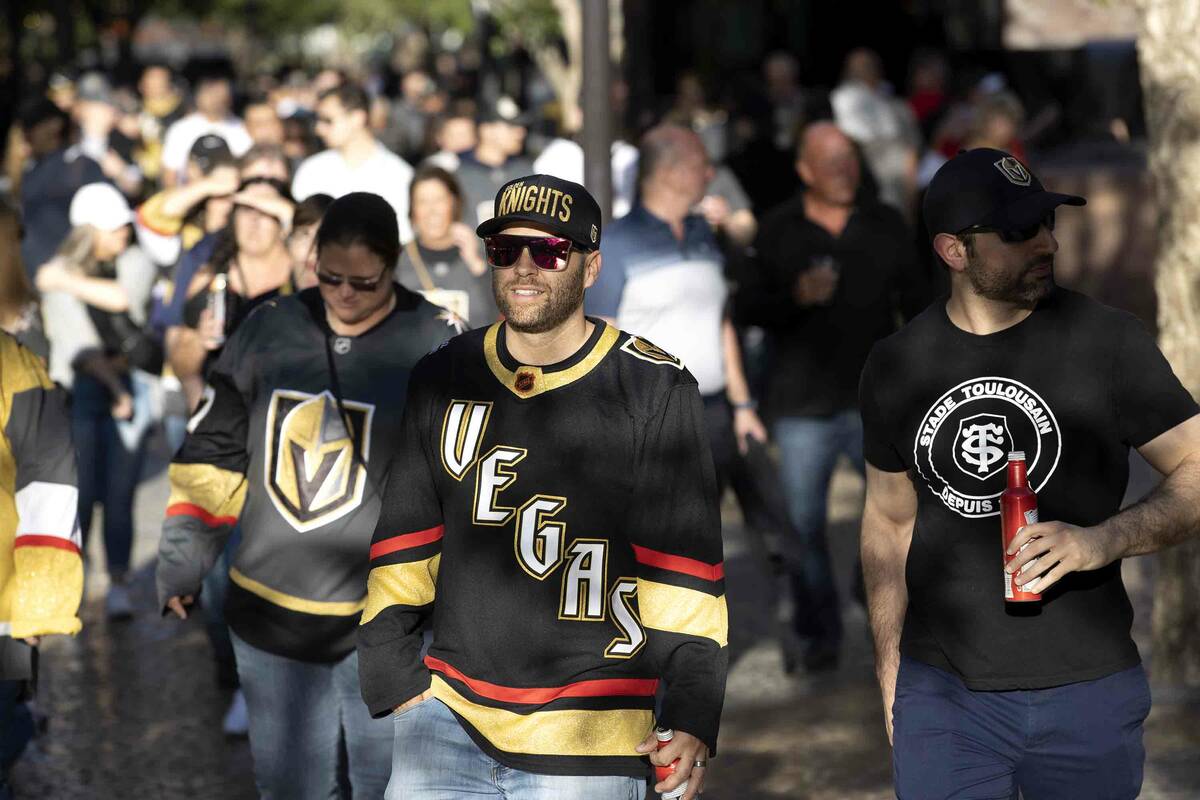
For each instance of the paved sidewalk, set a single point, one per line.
(135, 712)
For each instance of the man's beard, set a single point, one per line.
(561, 302)
(1021, 289)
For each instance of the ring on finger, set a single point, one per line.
(700, 764)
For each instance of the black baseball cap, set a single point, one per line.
(563, 208)
(209, 152)
(94, 87)
(987, 188)
(504, 109)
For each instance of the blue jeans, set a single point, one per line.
(214, 590)
(434, 759)
(809, 448)
(1079, 740)
(300, 712)
(16, 729)
(110, 455)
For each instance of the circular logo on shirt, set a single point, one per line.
(341, 345)
(964, 439)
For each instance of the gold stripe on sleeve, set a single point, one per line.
(220, 492)
(401, 584)
(679, 610)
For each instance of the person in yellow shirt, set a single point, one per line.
(41, 571)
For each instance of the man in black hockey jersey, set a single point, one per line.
(555, 495)
(291, 442)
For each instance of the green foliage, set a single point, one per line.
(282, 17)
(531, 23)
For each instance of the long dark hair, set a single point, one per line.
(15, 292)
(361, 218)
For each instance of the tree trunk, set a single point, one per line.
(1169, 58)
(565, 75)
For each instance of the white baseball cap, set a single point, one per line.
(101, 206)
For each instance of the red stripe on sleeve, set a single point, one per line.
(604, 687)
(193, 510)
(686, 566)
(407, 541)
(38, 540)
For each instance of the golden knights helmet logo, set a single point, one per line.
(640, 348)
(312, 476)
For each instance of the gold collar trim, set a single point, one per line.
(528, 381)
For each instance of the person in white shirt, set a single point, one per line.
(214, 101)
(355, 160)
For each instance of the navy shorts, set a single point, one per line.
(1081, 740)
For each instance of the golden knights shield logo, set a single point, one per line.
(312, 476)
(639, 348)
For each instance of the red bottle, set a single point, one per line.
(1018, 508)
(664, 736)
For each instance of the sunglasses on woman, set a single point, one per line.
(357, 284)
(546, 252)
(1016, 235)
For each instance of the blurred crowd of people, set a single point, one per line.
(767, 245)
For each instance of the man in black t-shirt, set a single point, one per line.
(836, 274)
(986, 699)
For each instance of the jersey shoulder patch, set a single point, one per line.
(638, 347)
(452, 321)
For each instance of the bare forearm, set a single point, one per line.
(884, 553)
(178, 201)
(103, 293)
(185, 354)
(885, 544)
(1167, 516)
(737, 389)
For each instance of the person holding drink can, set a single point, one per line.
(1014, 398)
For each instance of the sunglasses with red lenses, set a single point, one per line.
(546, 252)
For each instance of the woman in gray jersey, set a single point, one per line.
(291, 442)
(444, 261)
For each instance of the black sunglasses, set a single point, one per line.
(357, 284)
(546, 252)
(1015, 235)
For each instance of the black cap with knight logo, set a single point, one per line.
(563, 208)
(988, 188)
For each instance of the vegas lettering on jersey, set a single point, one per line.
(540, 540)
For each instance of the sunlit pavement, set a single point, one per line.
(134, 710)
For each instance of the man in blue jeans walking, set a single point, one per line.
(983, 698)
(551, 515)
(837, 273)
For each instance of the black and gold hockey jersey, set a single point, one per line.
(41, 572)
(558, 528)
(291, 441)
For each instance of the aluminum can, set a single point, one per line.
(664, 736)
